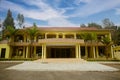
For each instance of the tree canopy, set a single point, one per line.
(89, 36)
(107, 23)
(20, 20)
(9, 21)
(95, 25)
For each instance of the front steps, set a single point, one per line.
(60, 60)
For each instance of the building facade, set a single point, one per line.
(56, 42)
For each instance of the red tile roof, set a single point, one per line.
(68, 29)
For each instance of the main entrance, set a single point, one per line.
(60, 52)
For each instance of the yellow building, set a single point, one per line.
(116, 50)
(56, 42)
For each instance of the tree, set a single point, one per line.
(32, 32)
(11, 32)
(89, 36)
(107, 24)
(20, 19)
(107, 42)
(82, 25)
(118, 36)
(9, 21)
(95, 25)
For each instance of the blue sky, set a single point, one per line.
(62, 13)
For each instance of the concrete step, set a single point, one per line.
(63, 60)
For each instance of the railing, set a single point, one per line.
(19, 43)
(53, 40)
(4, 42)
(60, 40)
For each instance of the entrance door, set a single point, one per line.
(62, 53)
(3, 52)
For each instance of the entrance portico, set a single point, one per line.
(61, 49)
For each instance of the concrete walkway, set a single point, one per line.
(39, 66)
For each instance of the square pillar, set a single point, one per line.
(57, 35)
(93, 48)
(97, 54)
(27, 51)
(86, 52)
(34, 51)
(8, 54)
(79, 49)
(112, 54)
(0, 52)
(42, 51)
(23, 51)
(76, 50)
(45, 35)
(74, 35)
(63, 35)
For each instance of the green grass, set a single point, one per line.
(17, 59)
(103, 59)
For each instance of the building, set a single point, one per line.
(56, 42)
(116, 52)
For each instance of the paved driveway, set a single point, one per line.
(56, 75)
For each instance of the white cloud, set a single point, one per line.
(44, 11)
(61, 22)
(77, 2)
(118, 11)
(95, 6)
(56, 16)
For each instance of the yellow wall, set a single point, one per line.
(117, 52)
(7, 53)
(117, 55)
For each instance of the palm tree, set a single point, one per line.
(32, 32)
(11, 31)
(107, 42)
(92, 37)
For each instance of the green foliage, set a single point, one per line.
(32, 31)
(95, 25)
(106, 40)
(20, 19)
(82, 25)
(12, 31)
(9, 21)
(118, 36)
(89, 36)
